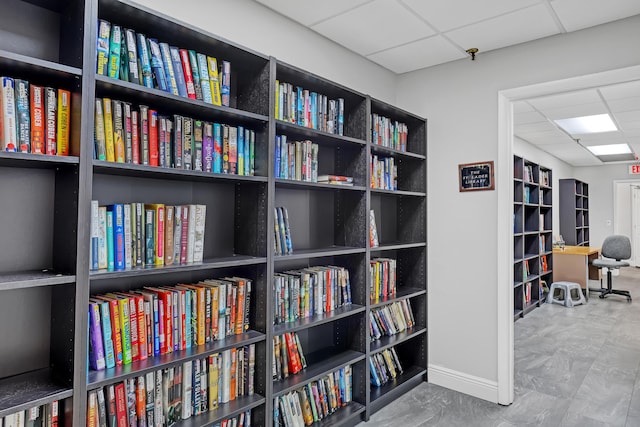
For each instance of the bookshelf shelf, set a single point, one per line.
(403, 292)
(96, 379)
(574, 212)
(381, 396)
(319, 253)
(386, 342)
(145, 171)
(32, 279)
(329, 223)
(225, 410)
(319, 319)
(317, 370)
(290, 183)
(21, 392)
(208, 264)
(118, 89)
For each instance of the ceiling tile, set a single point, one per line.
(603, 138)
(573, 154)
(628, 118)
(621, 91)
(528, 117)
(416, 55)
(311, 12)
(578, 14)
(522, 107)
(575, 111)
(543, 126)
(565, 99)
(624, 104)
(367, 29)
(545, 138)
(526, 24)
(446, 15)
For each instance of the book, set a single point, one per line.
(197, 145)
(225, 87)
(144, 134)
(118, 130)
(110, 149)
(153, 138)
(188, 72)
(99, 133)
(373, 230)
(146, 72)
(205, 83)
(195, 71)
(169, 235)
(167, 62)
(102, 60)
(115, 42)
(36, 101)
(121, 405)
(178, 70)
(157, 65)
(132, 56)
(199, 230)
(96, 348)
(123, 72)
(9, 137)
(214, 81)
(128, 131)
(23, 116)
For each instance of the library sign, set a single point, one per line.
(476, 176)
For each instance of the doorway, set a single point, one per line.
(626, 202)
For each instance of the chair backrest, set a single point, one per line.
(617, 247)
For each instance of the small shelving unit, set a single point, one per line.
(532, 235)
(574, 212)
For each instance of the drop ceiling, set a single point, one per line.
(406, 35)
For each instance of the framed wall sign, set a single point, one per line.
(476, 176)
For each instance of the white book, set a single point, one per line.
(204, 385)
(186, 390)
(191, 233)
(127, 236)
(9, 137)
(102, 237)
(158, 415)
(222, 310)
(198, 246)
(226, 376)
(177, 233)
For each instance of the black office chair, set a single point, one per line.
(615, 249)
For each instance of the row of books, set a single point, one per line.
(336, 180)
(314, 401)
(391, 319)
(124, 134)
(34, 119)
(132, 57)
(528, 175)
(389, 133)
(38, 416)
(288, 356)
(544, 178)
(384, 172)
(125, 327)
(527, 293)
(297, 160)
(282, 229)
(309, 109)
(544, 265)
(384, 367)
(167, 396)
(309, 292)
(129, 235)
(383, 278)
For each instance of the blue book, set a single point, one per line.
(145, 63)
(157, 66)
(187, 318)
(117, 211)
(96, 350)
(240, 148)
(178, 71)
(115, 45)
(314, 110)
(203, 68)
(217, 148)
(110, 248)
(169, 68)
(277, 157)
(106, 334)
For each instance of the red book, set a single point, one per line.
(153, 137)
(188, 77)
(37, 119)
(121, 406)
(166, 322)
(295, 365)
(328, 293)
(137, 320)
(51, 123)
(135, 138)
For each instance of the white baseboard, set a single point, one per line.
(464, 383)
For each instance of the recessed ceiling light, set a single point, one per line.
(587, 124)
(610, 149)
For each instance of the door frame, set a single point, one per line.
(504, 180)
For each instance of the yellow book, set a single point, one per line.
(214, 80)
(108, 130)
(214, 366)
(64, 121)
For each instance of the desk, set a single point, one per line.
(573, 264)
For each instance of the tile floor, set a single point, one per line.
(576, 367)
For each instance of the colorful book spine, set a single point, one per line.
(169, 71)
(110, 149)
(102, 61)
(128, 132)
(195, 72)
(135, 137)
(157, 65)
(225, 88)
(99, 135)
(187, 71)
(146, 72)
(96, 348)
(110, 242)
(132, 56)
(207, 147)
(118, 130)
(240, 150)
(217, 148)
(187, 143)
(107, 334)
(153, 138)
(178, 70)
(203, 71)
(9, 137)
(37, 119)
(214, 80)
(144, 135)
(23, 117)
(115, 42)
(117, 211)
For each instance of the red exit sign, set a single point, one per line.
(634, 169)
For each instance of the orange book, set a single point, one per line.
(37, 119)
(233, 383)
(295, 364)
(141, 398)
(64, 122)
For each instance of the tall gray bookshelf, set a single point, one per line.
(574, 212)
(532, 235)
(45, 281)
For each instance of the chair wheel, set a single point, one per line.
(629, 299)
(601, 296)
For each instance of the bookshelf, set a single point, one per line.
(532, 235)
(574, 212)
(46, 263)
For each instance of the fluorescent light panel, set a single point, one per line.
(587, 124)
(610, 149)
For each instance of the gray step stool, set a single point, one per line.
(568, 294)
